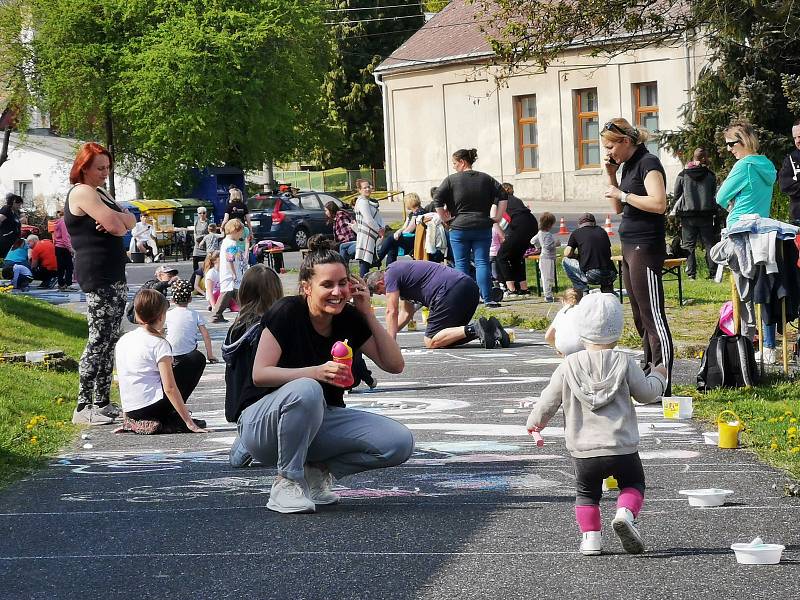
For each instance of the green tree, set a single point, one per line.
(15, 63)
(171, 86)
(362, 36)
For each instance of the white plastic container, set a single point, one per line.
(677, 407)
(706, 497)
(758, 553)
(711, 438)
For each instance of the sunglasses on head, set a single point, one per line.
(731, 144)
(611, 126)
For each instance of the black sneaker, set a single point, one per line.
(492, 304)
(485, 333)
(109, 410)
(500, 334)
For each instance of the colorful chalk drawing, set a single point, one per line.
(227, 487)
(141, 461)
(508, 481)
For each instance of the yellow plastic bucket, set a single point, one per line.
(729, 429)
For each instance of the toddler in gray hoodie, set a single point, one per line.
(595, 386)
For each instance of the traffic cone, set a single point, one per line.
(562, 230)
(607, 226)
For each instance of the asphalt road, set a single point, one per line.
(478, 511)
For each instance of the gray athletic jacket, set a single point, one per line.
(595, 389)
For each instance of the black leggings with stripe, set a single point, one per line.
(641, 272)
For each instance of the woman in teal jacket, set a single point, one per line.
(749, 187)
(749, 184)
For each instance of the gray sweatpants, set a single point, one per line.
(293, 425)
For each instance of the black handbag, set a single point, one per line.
(729, 361)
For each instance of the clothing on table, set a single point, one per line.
(105, 307)
(789, 181)
(370, 223)
(566, 325)
(293, 425)
(639, 226)
(342, 230)
(100, 257)
(595, 389)
(641, 273)
(44, 253)
(749, 187)
(137, 356)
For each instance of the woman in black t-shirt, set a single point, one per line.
(641, 197)
(516, 240)
(468, 196)
(291, 413)
(236, 208)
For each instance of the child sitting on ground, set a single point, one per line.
(20, 275)
(151, 399)
(600, 427)
(545, 241)
(182, 326)
(563, 331)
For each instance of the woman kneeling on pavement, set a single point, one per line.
(291, 412)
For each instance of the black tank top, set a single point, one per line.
(99, 257)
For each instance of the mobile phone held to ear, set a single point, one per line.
(611, 161)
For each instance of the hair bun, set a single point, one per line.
(319, 242)
(473, 154)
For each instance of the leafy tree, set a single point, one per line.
(171, 86)
(15, 64)
(363, 35)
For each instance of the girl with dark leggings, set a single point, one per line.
(640, 196)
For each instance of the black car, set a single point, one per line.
(290, 219)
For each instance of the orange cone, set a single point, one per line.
(562, 230)
(607, 226)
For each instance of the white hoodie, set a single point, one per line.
(595, 389)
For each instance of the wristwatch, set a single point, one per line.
(623, 197)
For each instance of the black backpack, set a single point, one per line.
(729, 361)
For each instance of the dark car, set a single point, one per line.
(290, 220)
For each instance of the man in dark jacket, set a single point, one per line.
(695, 189)
(789, 175)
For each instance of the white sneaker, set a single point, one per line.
(90, 415)
(626, 531)
(287, 496)
(592, 543)
(769, 356)
(319, 486)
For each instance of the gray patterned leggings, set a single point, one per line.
(105, 307)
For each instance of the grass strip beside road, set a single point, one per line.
(770, 413)
(35, 403)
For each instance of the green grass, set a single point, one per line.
(35, 404)
(770, 412)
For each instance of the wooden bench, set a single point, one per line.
(672, 266)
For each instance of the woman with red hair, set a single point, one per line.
(96, 225)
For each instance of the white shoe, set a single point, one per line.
(157, 257)
(287, 496)
(319, 486)
(592, 543)
(626, 531)
(769, 356)
(90, 415)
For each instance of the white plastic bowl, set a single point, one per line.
(758, 554)
(706, 497)
(711, 438)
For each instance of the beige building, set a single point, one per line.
(538, 131)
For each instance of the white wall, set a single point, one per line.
(50, 177)
(433, 112)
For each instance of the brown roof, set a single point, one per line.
(451, 35)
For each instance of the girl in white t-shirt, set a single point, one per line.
(563, 331)
(151, 399)
(231, 268)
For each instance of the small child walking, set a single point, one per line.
(151, 399)
(545, 241)
(231, 268)
(182, 326)
(595, 386)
